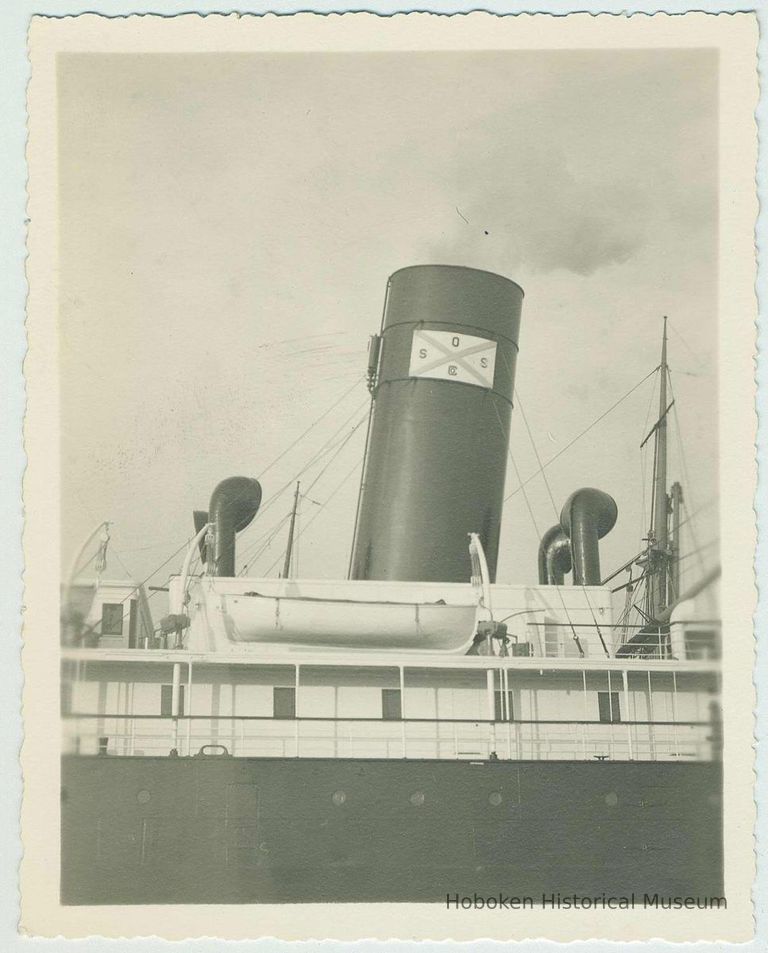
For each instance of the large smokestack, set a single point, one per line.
(437, 452)
(586, 517)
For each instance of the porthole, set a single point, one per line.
(612, 799)
(143, 797)
(495, 798)
(339, 797)
(417, 798)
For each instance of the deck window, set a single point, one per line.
(391, 704)
(551, 639)
(560, 643)
(284, 703)
(112, 618)
(498, 711)
(608, 706)
(166, 700)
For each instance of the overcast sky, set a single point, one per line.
(228, 224)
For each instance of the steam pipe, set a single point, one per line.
(554, 557)
(587, 516)
(234, 503)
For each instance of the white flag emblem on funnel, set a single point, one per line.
(453, 357)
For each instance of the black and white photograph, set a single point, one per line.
(389, 460)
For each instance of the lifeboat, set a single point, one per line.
(318, 621)
(312, 621)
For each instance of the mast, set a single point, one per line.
(662, 555)
(289, 548)
(659, 563)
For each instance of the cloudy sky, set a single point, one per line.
(228, 224)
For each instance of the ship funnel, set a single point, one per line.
(554, 557)
(234, 503)
(442, 401)
(586, 517)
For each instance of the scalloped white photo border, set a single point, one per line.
(736, 37)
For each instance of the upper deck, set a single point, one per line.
(562, 685)
(244, 618)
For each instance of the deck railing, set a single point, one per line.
(446, 739)
(565, 647)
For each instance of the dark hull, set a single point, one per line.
(241, 830)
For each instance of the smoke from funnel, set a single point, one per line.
(545, 216)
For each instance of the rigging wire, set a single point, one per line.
(339, 449)
(557, 518)
(533, 518)
(316, 421)
(580, 435)
(686, 475)
(535, 450)
(517, 474)
(685, 344)
(269, 535)
(139, 585)
(653, 486)
(325, 449)
(644, 467)
(373, 385)
(643, 580)
(296, 539)
(319, 510)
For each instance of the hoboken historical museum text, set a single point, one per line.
(557, 901)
